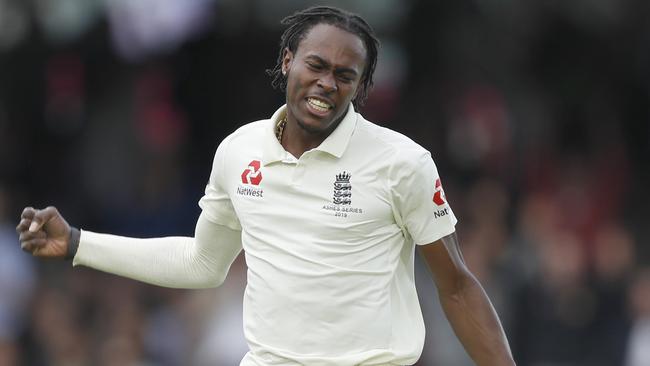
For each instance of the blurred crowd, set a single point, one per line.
(537, 114)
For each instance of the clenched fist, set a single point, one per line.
(45, 233)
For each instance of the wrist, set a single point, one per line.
(73, 243)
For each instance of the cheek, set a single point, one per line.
(293, 87)
(295, 84)
(291, 83)
(348, 91)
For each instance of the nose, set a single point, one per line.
(327, 82)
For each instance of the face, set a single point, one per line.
(322, 77)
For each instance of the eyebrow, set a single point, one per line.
(338, 69)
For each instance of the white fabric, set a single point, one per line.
(178, 262)
(329, 284)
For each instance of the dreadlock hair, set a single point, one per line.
(299, 24)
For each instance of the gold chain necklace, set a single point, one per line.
(279, 129)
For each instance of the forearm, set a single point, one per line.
(179, 262)
(476, 323)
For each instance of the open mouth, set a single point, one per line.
(319, 106)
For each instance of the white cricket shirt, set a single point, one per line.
(329, 241)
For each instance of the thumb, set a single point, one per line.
(41, 217)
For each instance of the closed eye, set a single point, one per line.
(346, 78)
(315, 66)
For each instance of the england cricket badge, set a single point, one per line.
(342, 189)
(341, 205)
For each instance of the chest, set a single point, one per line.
(332, 197)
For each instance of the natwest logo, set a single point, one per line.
(439, 196)
(252, 174)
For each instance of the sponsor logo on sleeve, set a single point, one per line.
(439, 196)
(440, 200)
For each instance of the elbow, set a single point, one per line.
(206, 271)
(217, 279)
(201, 282)
(458, 284)
(462, 290)
(209, 279)
(203, 275)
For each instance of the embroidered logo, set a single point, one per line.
(252, 174)
(341, 205)
(439, 196)
(342, 189)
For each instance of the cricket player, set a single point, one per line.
(328, 208)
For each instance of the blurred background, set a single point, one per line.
(537, 114)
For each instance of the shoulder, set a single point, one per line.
(250, 131)
(250, 134)
(405, 163)
(401, 148)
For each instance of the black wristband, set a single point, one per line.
(73, 245)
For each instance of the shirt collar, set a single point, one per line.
(335, 144)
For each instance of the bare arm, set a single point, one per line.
(466, 304)
(179, 262)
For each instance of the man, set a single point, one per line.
(328, 209)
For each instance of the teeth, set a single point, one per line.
(319, 104)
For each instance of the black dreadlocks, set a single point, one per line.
(302, 21)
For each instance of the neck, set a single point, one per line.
(296, 140)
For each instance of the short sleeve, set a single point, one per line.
(421, 207)
(216, 203)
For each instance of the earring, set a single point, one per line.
(284, 72)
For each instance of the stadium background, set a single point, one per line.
(536, 112)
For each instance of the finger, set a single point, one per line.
(28, 235)
(31, 245)
(41, 217)
(35, 226)
(28, 213)
(23, 225)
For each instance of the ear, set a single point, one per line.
(287, 60)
